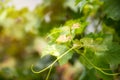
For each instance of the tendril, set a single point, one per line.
(48, 73)
(51, 63)
(97, 68)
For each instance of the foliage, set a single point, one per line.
(55, 41)
(97, 51)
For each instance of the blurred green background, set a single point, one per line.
(23, 28)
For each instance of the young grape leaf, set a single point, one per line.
(54, 49)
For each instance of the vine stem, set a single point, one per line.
(51, 63)
(97, 68)
(48, 73)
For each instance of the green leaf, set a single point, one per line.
(86, 57)
(62, 49)
(81, 3)
(57, 50)
(71, 5)
(103, 76)
(90, 74)
(85, 63)
(94, 45)
(54, 49)
(112, 9)
(113, 55)
(77, 1)
(65, 58)
(81, 28)
(44, 62)
(98, 63)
